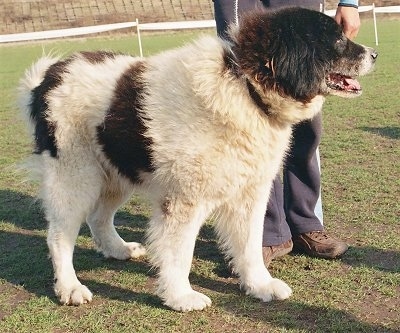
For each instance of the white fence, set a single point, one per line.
(158, 26)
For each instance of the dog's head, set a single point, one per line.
(299, 53)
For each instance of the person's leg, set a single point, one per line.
(302, 180)
(302, 191)
(228, 12)
(301, 171)
(318, 208)
(277, 235)
(277, 238)
(310, 4)
(302, 187)
(276, 230)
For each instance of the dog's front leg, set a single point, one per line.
(240, 228)
(171, 238)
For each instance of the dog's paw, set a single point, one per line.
(75, 295)
(273, 289)
(189, 302)
(135, 250)
(124, 251)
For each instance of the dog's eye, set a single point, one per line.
(341, 39)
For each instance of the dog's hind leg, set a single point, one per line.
(240, 229)
(68, 195)
(101, 223)
(171, 239)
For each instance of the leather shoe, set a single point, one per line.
(275, 251)
(319, 244)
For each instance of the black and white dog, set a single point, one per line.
(202, 129)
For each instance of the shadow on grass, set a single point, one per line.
(25, 211)
(24, 262)
(24, 259)
(303, 317)
(388, 131)
(383, 260)
(22, 210)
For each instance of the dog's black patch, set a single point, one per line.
(44, 129)
(97, 56)
(122, 133)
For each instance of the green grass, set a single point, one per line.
(359, 293)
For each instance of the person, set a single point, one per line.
(294, 218)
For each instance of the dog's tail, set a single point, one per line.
(32, 79)
(32, 167)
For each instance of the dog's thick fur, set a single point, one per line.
(202, 129)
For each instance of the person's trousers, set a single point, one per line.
(292, 206)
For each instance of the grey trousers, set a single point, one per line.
(292, 205)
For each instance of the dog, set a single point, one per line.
(202, 129)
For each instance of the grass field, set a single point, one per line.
(360, 156)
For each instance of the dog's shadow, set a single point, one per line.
(23, 241)
(390, 132)
(25, 263)
(298, 316)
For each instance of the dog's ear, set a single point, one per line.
(296, 66)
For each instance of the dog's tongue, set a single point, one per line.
(352, 84)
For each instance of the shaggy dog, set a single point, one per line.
(202, 129)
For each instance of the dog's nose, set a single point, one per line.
(374, 55)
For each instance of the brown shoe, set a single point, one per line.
(275, 251)
(319, 244)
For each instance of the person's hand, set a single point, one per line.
(349, 19)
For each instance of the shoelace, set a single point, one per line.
(319, 235)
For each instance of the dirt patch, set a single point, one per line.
(11, 297)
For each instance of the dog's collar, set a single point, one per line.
(232, 66)
(231, 62)
(255, 96)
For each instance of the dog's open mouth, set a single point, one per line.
(343, 83)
